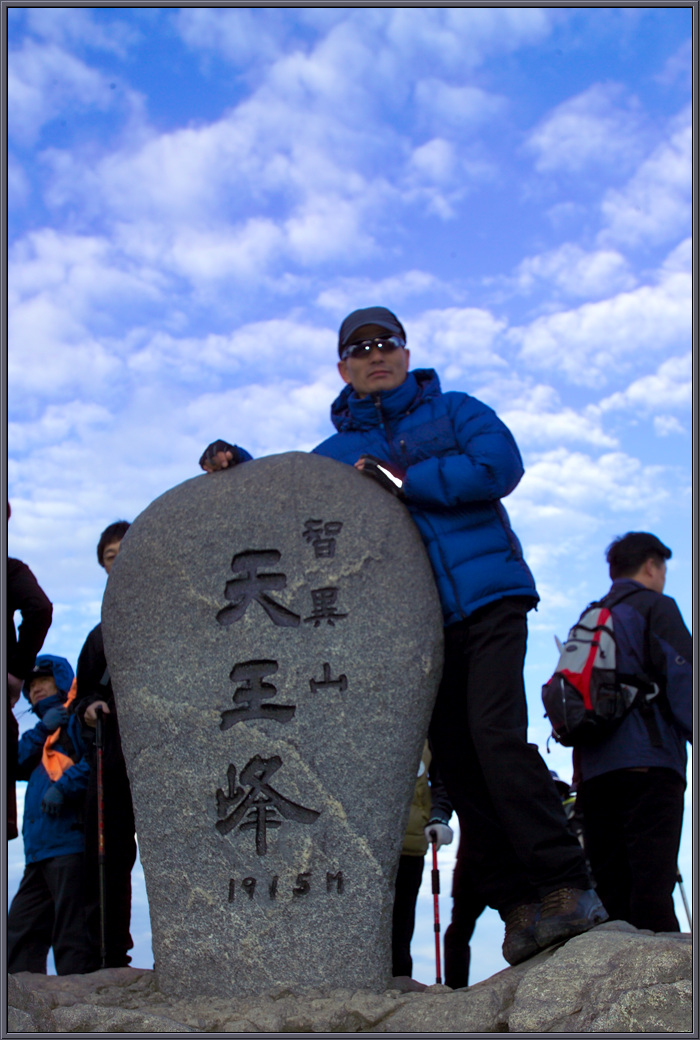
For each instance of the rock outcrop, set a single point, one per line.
(613, 979)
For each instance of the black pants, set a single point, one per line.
(500, 788)
(632, 828)
(408, 879)
(49, 911)
(468, 905)
(120, 855)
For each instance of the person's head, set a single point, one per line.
(110, 540)
(49, 676)
(641, 556)
(372, 350)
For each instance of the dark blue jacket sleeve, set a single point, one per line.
(29, 752)
(487, 467)
(671, 650)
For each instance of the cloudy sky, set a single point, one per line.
(198, 196)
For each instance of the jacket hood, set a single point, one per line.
(350, 412)
(62, 673)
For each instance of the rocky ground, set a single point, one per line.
(613, 979)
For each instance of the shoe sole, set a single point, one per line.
(562, 932)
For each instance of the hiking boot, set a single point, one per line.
(567, 912)
(520, 942)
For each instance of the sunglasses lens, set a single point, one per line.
(385, 345)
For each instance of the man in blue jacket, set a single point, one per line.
(452, 460)
(48, 909)
(631, 783)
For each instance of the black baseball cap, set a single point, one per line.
(380, 316)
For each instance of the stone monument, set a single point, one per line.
(274, 639)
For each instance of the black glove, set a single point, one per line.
(388, 476)
(55, 717)
(52, 802)
(217, 446)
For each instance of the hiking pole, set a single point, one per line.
(679, 879)
(436, 909)
(99, 746)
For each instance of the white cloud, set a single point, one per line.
(596, 128)
(577, 272)
(536, 417)
(18, 187)
(245, 36)
(592, 342)
(655, 205)
(349, 293)
(455, 107)
(71, 25)
(456, 340)
(671, 386)
(665, 425)
(45, 80)
(613, 481)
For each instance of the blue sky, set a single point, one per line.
(198, 196)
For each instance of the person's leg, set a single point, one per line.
(408, 879)
(600, 801)
(653, 820)
(467, 907)
(502, 882)
(519, 784)
(120, 855)
(72, 949)
(30, 923)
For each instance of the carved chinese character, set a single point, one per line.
(250, 585)
(252, 693)
(322, 536)
(337, 878)
(323, 601)
(318, 684)
(260, 805)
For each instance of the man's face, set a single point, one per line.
(377, 371)
(110, 554)
(41, 687)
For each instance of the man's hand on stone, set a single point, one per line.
(439, 833)
(390, 477)
(91, 713)
(219, 455)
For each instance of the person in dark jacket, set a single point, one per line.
(631, 783)
(95, 693)
(48, 909)
(25, 595)
(452, 460)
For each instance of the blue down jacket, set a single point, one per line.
(459, 460)
(650, 639)
(45, 836)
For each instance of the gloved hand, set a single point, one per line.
(52, 802)
(440, 833)
(388, 476)
(209, 454)
(55, 717)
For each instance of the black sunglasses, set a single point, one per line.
(384, 344)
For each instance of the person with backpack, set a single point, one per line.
(48, 909)
(630, 780)
(451, 460)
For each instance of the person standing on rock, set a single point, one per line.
(48, 909)
(631, 782)
(452, 460)
(95, 693)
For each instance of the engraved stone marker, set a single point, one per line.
(274, 639)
